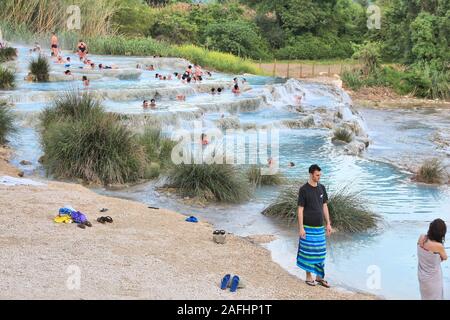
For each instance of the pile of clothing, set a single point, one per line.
(67, 214)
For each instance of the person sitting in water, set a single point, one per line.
(181, 97)
(213, 91)
(298, 100)
(188, 80)
(431, 253)
(145, 104)
(67, 73)
(153, 103)
(151, 68)
(101, 66)
(198, 73)
(209, 74)
(189, 70)
(204, 139)
(219, 90)
(59, 60)
(157, 76)
(236, 89)
(169, 77)
(68, 63)
(291, 164)
(92, 66)
(54, 43)
(164, 78)
(244, 81)
(235, 80)
(85, 82)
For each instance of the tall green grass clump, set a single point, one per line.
(82, 141)
(6, 122)
(73, 105)
(7, 54)
(219, 182)
(39, 68)
(158, 151)
(7, 79)
(431, 171)
(348, 212)
(342, 134)
(255, 177)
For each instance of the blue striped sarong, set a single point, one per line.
(312, 251)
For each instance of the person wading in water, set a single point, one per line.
(314, 225)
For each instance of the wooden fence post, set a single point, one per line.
(288, 66)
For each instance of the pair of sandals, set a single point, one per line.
(321, 282)
(232, 283)
(105, 219)
(85, 224)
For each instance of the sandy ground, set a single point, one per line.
(143, 254)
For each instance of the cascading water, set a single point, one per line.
(304, 132)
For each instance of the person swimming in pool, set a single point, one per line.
(86, 82)
(204, 139)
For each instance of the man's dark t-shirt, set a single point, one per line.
(312, 200)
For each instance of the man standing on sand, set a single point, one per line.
(314, 223)
(54, 42)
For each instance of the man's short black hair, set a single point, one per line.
(314, 168)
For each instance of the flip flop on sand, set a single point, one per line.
(101, 220)
(108, 219)
(323, 283)
(82, 226)
(310, 283)
(234, 284)
(225, 281)
(104, 210)
(153, 208)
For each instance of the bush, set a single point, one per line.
(6, 123)
(255, 177)
(71, 105)
(352, 80)
(81, 140)
(7, 79)
(347, 210)
(96, 149)
(311, 47)
(342, 134)
(152, 171)
(7, 54)
(220, 182)
(431, 171)
(39, 68)
(240, 38)
(158, 148)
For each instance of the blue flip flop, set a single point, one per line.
(192, 219)
(225, 281)
(234, 284)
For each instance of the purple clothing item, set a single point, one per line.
(78, 217)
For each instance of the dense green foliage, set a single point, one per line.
(81, 140)
(217, 182)
(6, 122)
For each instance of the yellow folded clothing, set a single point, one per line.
(63, 219)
